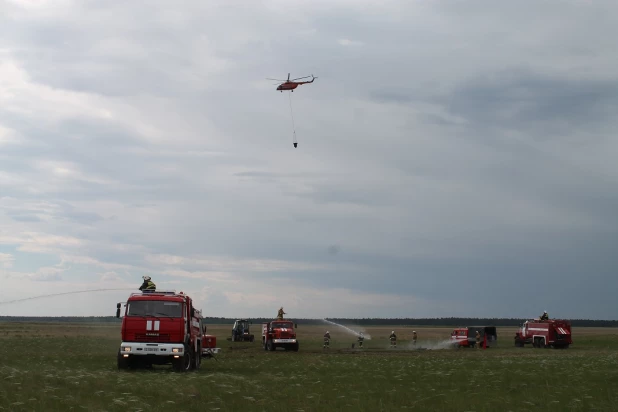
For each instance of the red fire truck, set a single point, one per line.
(209, 344)
(279, 334)
(161, 327)
(554, 333)
(466, 336)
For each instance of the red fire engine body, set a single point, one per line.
(554, 333)
(162, 327)
(279, 334)
(466, 336)
(209, 344)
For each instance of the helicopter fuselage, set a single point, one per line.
(287, 86)
(292, 85)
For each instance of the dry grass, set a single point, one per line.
(62, 367)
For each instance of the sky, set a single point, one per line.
(453, 159)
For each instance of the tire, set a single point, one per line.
(185, 363)
(123, 363)
(270, 346)
(197, 358)
(295, 347)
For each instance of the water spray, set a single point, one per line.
(435, 345)
(351, 331)
(59, 294)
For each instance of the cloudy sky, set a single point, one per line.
(454, 159)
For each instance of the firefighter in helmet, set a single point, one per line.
(361, 338)
(414, 337)
(393, 339)
(148, 284)
(326, 340)
(545, 316)
(280, 313)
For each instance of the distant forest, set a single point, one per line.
(447, 322)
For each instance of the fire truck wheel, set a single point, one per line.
(123, 363)
(270, 346)
(185, 363)
(197, 362)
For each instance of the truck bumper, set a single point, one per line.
(210, 351)
(158, 349)
(284, 340)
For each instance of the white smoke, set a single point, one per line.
(431, 345)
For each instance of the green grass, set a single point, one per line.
(73, 367)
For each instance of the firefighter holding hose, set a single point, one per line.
(393, 339)
(280, 313)
(148, 285)
(326, 340)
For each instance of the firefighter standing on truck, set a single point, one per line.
(148, 284)
(544, 316)
(393, 339)
(326, 340)
(280, 313)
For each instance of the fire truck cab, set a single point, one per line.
(160, 327)
(279, 334)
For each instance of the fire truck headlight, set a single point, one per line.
(177, 350)
(126, 349)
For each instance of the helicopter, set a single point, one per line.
(292, 84)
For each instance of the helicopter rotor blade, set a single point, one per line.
(306, 77)
(277, 80)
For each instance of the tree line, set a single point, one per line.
(444, 322)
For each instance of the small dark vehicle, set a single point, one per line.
(240, 331)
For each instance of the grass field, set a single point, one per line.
(72, 367)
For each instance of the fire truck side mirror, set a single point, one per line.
(118, 310)
(296, 325)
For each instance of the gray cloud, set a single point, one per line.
(446, 154)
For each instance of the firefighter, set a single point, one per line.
(326, 340)
(478, 340)
(393, 339)
(361, 338)
(280, 313)
(545, 316)
(414, 337)
(148, 285)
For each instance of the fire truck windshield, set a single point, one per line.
(154, 308)
(282, 325)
